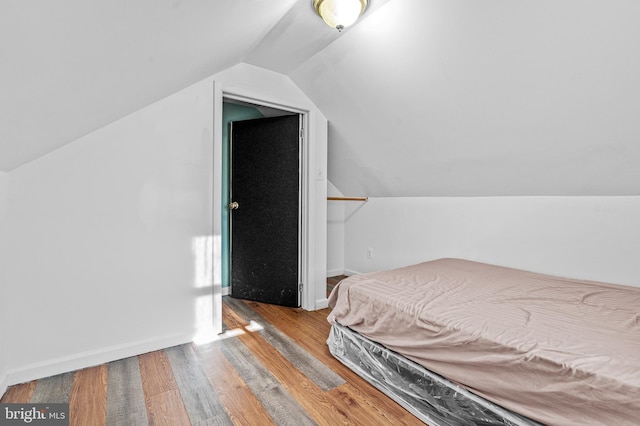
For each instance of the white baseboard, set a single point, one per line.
(335, 272)
(322, 303)
(226, 291)
(4, 383)
(349, 272)
(79, 361)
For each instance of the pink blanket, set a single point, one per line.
(557, 350)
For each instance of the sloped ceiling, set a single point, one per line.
(69, 67)
(475, 98)
(424, 97)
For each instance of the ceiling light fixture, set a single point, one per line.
(339, 14)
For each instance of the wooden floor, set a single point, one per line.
(272, 368)
(332, 281)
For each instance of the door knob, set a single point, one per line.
(234, 205)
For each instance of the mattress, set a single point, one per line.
(556, 350)
(430, 397)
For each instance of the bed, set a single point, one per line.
(462, 342)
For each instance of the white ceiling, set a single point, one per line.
(424, 97)
(483, 98)
(69, 67)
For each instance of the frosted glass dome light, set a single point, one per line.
(340, 14)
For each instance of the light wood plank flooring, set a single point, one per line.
(273, 368)
(333, 281)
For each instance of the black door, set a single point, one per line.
(265, 212)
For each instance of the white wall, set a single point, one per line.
(112, 236)
(4, 320)
(110, 240)
(596, 238)
(335, 232)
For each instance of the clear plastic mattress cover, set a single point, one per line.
(430, 397)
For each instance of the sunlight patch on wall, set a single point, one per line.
(204, 331)
(204, 264)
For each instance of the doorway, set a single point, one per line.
(262, 181)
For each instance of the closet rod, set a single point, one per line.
(365, 199)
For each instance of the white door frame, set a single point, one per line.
(308, 234)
